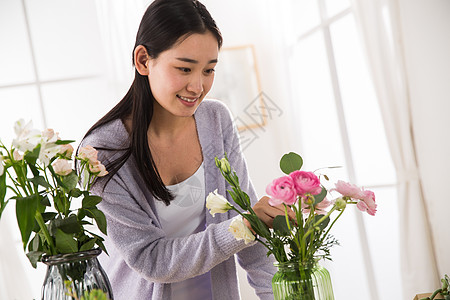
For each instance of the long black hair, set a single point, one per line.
(163, 24)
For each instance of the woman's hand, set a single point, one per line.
(267, 212)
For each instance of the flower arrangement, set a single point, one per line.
(43, 182)
(305, 239)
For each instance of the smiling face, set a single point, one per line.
(181, 76)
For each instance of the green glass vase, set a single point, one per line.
(294, 281)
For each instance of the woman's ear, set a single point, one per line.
(141, 60)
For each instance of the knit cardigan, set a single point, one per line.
(143, 261)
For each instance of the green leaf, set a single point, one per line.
(75, 193)
(280, 225)
(34, 257)
(91, 201)
(99, 218)
(47, 216)
(319, 198)
(31, 156)
(324, 223)
(291, 162)
(70, 181)
(68, 225)
(45, 201)
(65, 242)
(102, 246)
(88, 245)
(64, 142)
(39, 180)
(25, 212)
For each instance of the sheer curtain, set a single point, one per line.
(380, 31)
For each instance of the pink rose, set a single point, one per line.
(349, 190)
(306, 183)
(282, 190)
(367, 203)
(66, 150)
(62, 167)
(89, 153)
(98, 168)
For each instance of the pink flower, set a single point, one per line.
(282, 190)
(66, 150)
(89, 153)
(319, 208)
(349, 190)
(98, 169)
(62, 167)
(367, 203)
(306, 183)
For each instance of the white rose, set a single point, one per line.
(62, 167)
(217, 203)
(66, 150)
(27, 138)
(240, 231)
(89, 153)
(98, 169)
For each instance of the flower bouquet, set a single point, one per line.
(38, 170)
(296, 243)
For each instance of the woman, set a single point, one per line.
(158, 145)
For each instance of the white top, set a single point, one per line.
(184, 216)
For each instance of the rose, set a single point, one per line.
(349, 190)
(282, 190)
(306, 183)
(367, 203)
(66, 150)
(98, 169)
(88, 153)
(62, 167)
(217, 203)
(240, 231)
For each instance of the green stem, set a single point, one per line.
(318, 222)
(44, 229)
(332, 224)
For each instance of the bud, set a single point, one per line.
(225, 165)
(340, 204)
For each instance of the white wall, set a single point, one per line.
(426, 32)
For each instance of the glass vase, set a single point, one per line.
(81, 271)
(296, 281)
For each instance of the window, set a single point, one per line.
(340, 125)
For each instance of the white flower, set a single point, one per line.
(62, 167)
(225, 165)
(27, 138)
(98, 169)
(17, 156)
(66, 150)
(240, 231)
(88, 153)
(49, 148)
(217, 203)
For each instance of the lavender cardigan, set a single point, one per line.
(142, 261)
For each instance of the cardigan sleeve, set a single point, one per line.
(253, 259)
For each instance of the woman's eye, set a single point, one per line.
(210, 71)
(184, 70)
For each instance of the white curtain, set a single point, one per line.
(119, 21)
(380, 31)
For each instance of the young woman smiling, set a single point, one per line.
(158, 144)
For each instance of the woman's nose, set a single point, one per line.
(195, 85)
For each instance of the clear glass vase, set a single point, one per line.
(296, 281)
(81, 269)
